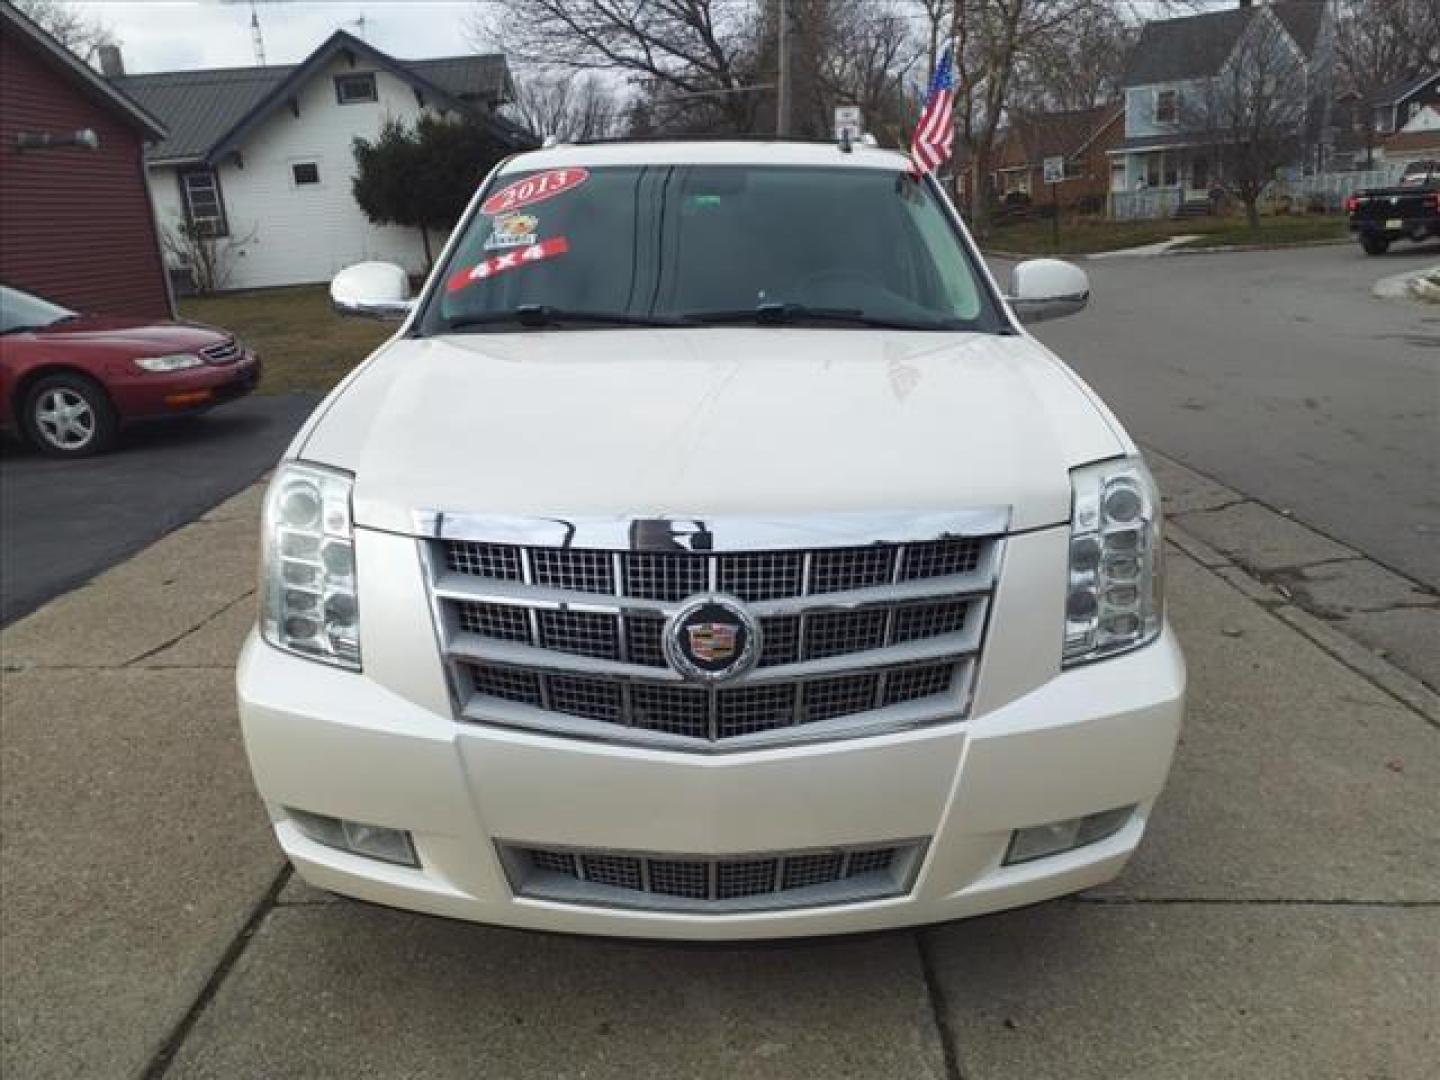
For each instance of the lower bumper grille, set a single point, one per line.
(752, 882)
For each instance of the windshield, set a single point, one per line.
(693, 244)
(21, 311)
(1420, 173)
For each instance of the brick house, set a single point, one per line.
(76, 224)
(1083, 137)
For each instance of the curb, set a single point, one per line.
(1405, 688)
(1223, 250)
(1120, 252)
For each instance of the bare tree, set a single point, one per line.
(207, 258)
(1079, 68)
(673, 51)
(1253, 114)
(1378, 42)
(992, 39)
(80, 33)
(856, 52)
(566, 107)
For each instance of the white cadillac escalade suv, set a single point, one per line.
(710, 554)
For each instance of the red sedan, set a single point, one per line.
(67, 381)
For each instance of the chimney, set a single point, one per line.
(112, 64)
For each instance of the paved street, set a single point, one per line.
(65, 521)
(1279, 374)
(1281, 920)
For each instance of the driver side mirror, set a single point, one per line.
(372, 290)
(1043, 289)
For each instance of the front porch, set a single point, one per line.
(1160, 182)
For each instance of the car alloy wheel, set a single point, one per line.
(64, 419)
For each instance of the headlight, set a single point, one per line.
(309, 602)
(172, 362)
(1114, 600)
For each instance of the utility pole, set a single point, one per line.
(257, 40)
(787, 73)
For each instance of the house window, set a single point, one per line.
(305, 172)
(1167, 107)
(204, 206)
(355, 89)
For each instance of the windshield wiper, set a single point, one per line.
(543, 315)
(792, 314)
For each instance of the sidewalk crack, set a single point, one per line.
(186, 633)
(939, 1010)
(165, 1056)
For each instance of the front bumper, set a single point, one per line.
(1395, 227)
(331, 742)
(153, 395)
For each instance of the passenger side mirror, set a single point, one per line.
(1043, 289)
(372, 290)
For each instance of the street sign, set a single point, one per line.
(1054, 170)
(848, 123)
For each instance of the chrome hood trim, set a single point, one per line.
(698, 534)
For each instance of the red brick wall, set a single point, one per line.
(75, 224)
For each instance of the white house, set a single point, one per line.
(262, 157)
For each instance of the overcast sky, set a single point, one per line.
(170, 35)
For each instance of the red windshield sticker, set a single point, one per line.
(511, 260)
(533, 189)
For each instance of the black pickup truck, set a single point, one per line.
(1408, 211)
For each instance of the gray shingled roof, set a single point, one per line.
(1197, 46)
(201, 107)
(1397, 91)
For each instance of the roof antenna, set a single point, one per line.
(359, 24)
(256, 39)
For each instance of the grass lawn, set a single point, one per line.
(1082, 236)
(304, 345)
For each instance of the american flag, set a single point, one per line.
(935, 132)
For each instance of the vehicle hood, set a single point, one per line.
(131, 334)
(708, 422)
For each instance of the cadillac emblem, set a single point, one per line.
(711, 638)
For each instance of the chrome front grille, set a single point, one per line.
(706, 884)
(853, 637)
(711, 713)
(221, 353)
(748, 575)
(786, 639)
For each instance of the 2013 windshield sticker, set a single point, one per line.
(511, 260)
(533, 189)
(512, 230)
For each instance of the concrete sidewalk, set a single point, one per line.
(1283, 918)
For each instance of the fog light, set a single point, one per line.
(1041, 840)
(372, 841)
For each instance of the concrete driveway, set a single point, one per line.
(65, 521)
(1282, 919)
